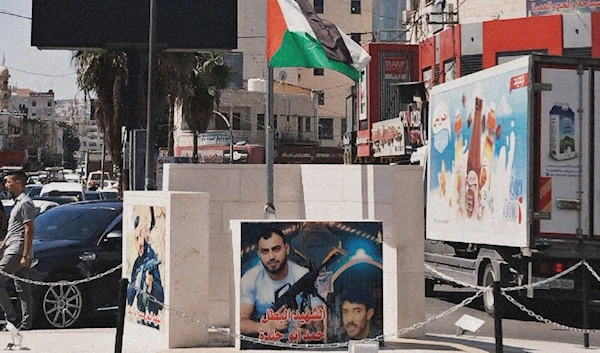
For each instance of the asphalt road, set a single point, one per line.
(517, 324)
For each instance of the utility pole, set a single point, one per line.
(151, 65)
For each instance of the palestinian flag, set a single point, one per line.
(297, 37)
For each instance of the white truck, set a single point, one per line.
(511, 178)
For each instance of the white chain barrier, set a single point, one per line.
(529, 312)
(543, 319)
(467, 301)
(226, 332)
(62, 282)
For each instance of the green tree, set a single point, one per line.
(71, 144)
(192, 80)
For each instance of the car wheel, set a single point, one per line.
(488, 296)
(62, 305)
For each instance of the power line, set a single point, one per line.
(40, 74)
(4, 12)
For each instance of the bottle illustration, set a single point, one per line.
(458, 158)
(474, 162)
(562, 132)
(488, 152)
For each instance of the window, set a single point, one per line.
(241, 120)
(344, 126)
(320, 97)
(307, 123)
(33, 103)
(355, 7)
(275, 122)
(260, 121)
(355, 37)
(318, 72)
(50, 103)
(319, 8)
(326, 128)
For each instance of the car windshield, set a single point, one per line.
(72, 223)
(92, 196)
(33, 191)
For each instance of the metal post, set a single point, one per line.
(134, 101)
(123, 283)
(231, 142)
(148, 185)
(269, 146)
(586, 324)
(101, 186)
(498, 317)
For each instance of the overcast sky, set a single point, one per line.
(39, 70)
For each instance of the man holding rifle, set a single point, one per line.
(259, 285)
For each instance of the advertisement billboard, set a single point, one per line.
(477, 171)
(554, 7)
(395, 68)
(388, 138)
(143, 266)
(304, 281)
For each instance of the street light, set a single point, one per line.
(230, 127)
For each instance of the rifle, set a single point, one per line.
(305, 285)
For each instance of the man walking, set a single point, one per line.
(17, 249)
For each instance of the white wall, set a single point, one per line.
(391, 194)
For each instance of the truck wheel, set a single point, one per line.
(488, 296)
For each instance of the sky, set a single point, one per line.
(29, 67)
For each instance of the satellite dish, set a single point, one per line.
(282, 76)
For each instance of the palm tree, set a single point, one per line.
(193, 80)
(105, 74)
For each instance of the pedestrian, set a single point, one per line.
(17, 249)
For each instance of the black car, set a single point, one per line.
(73, 242)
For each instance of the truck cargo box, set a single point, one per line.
(511, 158)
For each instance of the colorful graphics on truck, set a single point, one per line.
(477, 180)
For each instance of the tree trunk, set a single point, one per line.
(195, 151)
(171, 142)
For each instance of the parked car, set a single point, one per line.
(71, 242)
(33, 190)
(40, 205)
(63, 189)
(93, 195)
(109, 194)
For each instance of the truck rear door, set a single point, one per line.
(568, 98)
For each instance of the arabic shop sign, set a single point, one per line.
(214, 138)
(552, 7)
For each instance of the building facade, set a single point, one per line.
(28, 128)
(78, 113)
(364, 20)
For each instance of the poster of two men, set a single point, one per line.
(310, 282)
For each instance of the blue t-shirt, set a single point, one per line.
(258, 289)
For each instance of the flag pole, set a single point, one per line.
(269, 146)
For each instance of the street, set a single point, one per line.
(518, 325)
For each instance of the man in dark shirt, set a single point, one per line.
(357, 312)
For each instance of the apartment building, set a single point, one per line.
(78, 113)
(242, 113)
(29, 125)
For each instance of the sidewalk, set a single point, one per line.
(100, 340)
